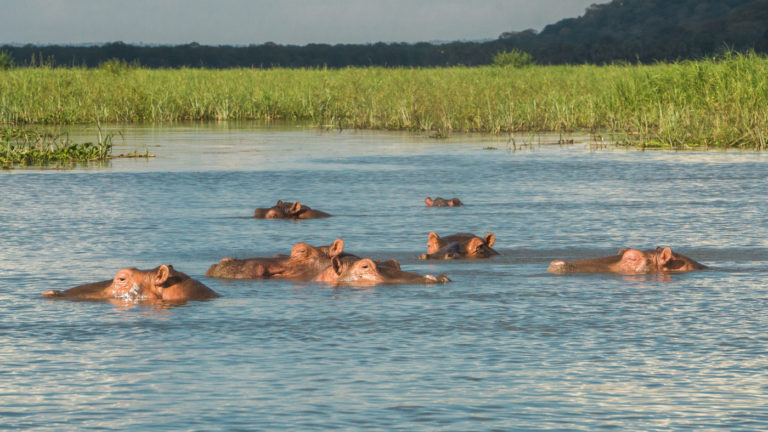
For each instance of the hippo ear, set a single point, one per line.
(622, 250)
(429, 201)
(162, 274)
(489, 239)
(295, 208)
(433, 243)
(665, 255)
(475, 243)
(337, 247)
(279, 203)
(337, 265)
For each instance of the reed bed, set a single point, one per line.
(720, 102)
(24, 146)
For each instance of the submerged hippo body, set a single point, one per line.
(162, 283)
(441, 202)
(367, 272)
(630, 261)
(289, 210)
(303, 264)
(461, 245)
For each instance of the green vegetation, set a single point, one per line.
(721, 102)
(513, 58)
(30, 147)
(6, 61)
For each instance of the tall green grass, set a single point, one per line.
(719, 102)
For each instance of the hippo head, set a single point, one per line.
(461, 245)
(665, 260)
(629, 261)
(284, 210)
(441, 202)
(288, 210)
(134, 285)
(367, 272)
(304, 263)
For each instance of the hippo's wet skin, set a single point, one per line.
(461, 245)
(630, 261)
(289, 210)
(442, 202)
(162, 283)
(367, 272)
(303, 264)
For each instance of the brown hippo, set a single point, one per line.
(630, 261)
(441, 202)
(461, 245)
(289, 210)
(367, 272)
(132, 285)
(304, 263)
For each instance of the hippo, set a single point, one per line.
(162, 283)
(289, 210)
(461, 245)
(367, 272)
(441, 202)
(630, 261)
(304, 263)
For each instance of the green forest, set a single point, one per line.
(634, 31)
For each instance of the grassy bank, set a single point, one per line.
(714, 103)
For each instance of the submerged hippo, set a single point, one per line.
(367, 272)
(303, 264)
(630, 261)
(133, 285)
(441, 202)
(461, 245)
(288, 210)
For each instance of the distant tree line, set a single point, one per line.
(623, 30)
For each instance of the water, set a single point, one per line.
(505, 346)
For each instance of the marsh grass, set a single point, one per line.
(720, 102)
(25, 147)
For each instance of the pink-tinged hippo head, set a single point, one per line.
(289, 210)
(162, 283)
(303, 264)
(367, 272)
(461, 245)
(441, 202)
(630, 261)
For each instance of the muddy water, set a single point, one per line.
(505, 346)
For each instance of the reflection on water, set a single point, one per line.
(504, 346)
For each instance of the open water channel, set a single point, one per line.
(505, 346)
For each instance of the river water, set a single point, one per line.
(505, 346)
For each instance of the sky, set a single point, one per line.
(295, 22)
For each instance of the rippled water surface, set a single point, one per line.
(505, 346)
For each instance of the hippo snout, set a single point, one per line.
(441, 278)
(558, 266)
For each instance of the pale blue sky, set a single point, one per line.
(282, 21)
